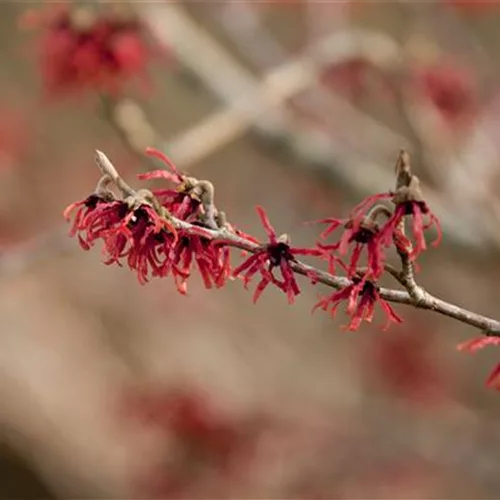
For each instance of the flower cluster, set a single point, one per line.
(165, 232)
(363, 231)
(449, 87)
(139, 228)
(84, 48)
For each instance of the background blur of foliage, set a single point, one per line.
(114, 390)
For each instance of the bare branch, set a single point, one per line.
(109, 170)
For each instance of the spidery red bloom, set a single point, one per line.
(137, 233)
(409, 202)
(145, 239)
(81, 49)
(191, 197)
(361, 296)
(94, 215)
(362, 233)
(276, 254)
(213, 261)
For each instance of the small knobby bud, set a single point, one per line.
(403, 169)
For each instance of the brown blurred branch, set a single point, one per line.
(421, 300)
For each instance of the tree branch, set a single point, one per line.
(421, 300)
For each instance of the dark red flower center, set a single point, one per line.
(363, 235)
(93, 200)
(277, 252)
(369, 290)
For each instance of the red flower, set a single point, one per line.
(139, 234)
(361, 296)
(184, 201)
(145, 239)
(213, 261)
(81, 49)
(277, 253)
(416, 209)
(362, 234)
(451, 89)
(409, 202)
(94, 215)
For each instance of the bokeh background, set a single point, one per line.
(111, 389)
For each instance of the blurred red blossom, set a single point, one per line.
(356, 78)
(82, 48)
(452, 89)
(206, 438)
(473, 6)
(404, 364)
(14, 135)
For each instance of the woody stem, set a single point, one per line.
(488, 326)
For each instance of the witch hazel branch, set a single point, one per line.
(177, 231)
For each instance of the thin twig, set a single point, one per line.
(422, 300)
(403, 179)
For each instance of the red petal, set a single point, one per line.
(165, 159)
(158, 174)
(271, 233)
(477, 343)
(260, 288)
(492, 380)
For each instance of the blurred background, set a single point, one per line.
(111, 389)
